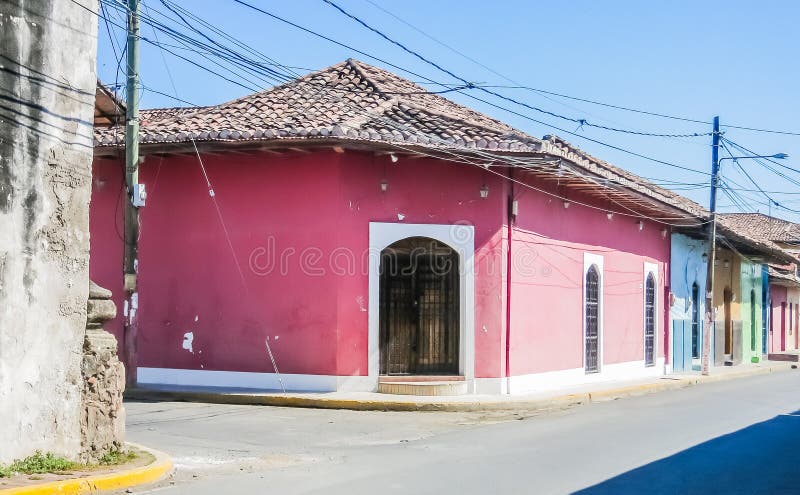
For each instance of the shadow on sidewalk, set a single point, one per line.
(762, 458)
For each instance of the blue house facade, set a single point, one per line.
(687, 309)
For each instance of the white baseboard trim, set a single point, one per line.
(520, 384)
(262, 381)
(491, 386)
(356, 384)
(550, 380)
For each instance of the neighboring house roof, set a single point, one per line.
(779, 277)
(108, 109)
(763, 226)
(749, 243)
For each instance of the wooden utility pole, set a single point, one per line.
(712, 242)
(134, 196)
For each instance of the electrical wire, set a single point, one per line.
(471, 85)
(761, 156)
(604, 209)
(639, 155)
(663, 162)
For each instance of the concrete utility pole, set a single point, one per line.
(712, 242)
(134, 197)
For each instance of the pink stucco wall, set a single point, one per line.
(106, 230)
(784, 334)
(289, 216)
(548, 246)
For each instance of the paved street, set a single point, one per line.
(738, 436)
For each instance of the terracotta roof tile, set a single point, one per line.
(766, 227)
(354, 101)
(349, 100)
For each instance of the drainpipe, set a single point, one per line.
(509, 220)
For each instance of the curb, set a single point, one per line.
(156, 470)
(520, 405)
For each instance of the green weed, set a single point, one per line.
(38, 463)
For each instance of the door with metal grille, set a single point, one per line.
(752, 321)
(650, 320)
(695, 321)
(727, 298)
(419, 308)
(592, 314)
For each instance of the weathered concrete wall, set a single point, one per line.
(47, 80)
(102, 413)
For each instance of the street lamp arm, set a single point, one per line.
(779, 156)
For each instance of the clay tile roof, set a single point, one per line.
(731, 229)
(783, 276)
(356, 102)
(349, 100)
(762, 226)
(561, 147)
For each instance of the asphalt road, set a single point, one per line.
(734, 437)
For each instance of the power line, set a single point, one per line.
(639, 155)
(517, 85)
(760, 155)
(192, 62)
(507, 159)
(640, 111)
(471, 85)
(770, 199)
(182, 38)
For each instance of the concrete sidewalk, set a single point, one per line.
(371, 401)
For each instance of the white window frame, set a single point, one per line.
(459, 237)
(590, 259)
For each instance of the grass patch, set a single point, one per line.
(117, 457)
(38, 463)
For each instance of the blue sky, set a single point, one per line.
(734, 59)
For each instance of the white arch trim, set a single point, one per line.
(651, 269)
(459, 237)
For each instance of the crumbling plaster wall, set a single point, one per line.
(47, 81)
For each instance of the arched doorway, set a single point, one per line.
(752, 320)
(695, 321)
(419, 308)
(650, 320)
(727, 299)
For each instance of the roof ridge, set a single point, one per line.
(759, 213)
(356, 64)
(367, 114)
(430, 111)
(293, 82)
